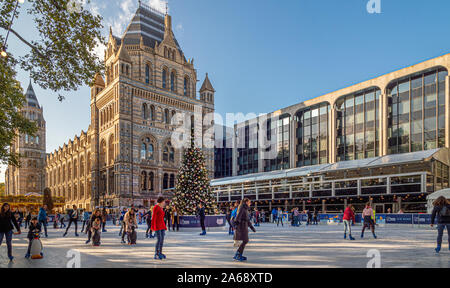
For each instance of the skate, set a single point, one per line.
(351, 237)
(438, 249)
(28, 256)
(345, 235)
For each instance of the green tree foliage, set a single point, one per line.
(11, 119)
(59, 58)
(193, 186)
(2, 189)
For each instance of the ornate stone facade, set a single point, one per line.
(127, 155)
(30, 176)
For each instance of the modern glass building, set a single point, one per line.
(385, 140)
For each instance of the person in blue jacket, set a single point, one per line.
(274, 215)
(42, 218)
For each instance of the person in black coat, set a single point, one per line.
(201, 214)
(442, 211)
(241, 225)
(34, 228)
(7, 220)
(148, 218)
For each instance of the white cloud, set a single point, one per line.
(159, 5)
(179, 27)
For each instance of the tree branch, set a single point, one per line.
(26, 42)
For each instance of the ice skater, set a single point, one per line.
(349, 219)
(131, 226)
(7, 220)
(148, 220)
(42, 218)
(201, 215)
(34, 228)
(96, 231)
(442, 211)
(367, 215)
(242, 223)
(159, 227)
(97, 215)
(73, 218)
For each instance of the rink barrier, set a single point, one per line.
(415, 219)
(211, 221)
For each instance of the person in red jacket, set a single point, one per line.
(349, 215)
(159, 227)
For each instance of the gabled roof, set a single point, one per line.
(207, 86)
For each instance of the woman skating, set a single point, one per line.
(241, 224)
(131, 226)
(7, 220)
(159, 227)
(442, 211)
(148, 218)
(349, 218)
(367, 215)
(97, 215)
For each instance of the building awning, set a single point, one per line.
(396, 159)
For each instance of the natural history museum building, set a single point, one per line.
(126, 156)
(385, 140)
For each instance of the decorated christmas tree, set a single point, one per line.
(193, 185)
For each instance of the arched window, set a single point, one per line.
(166, 154)
(186, 86)
(147, 74)
(144, 111)
(103, 153)
(172, 81)
(172, 181)
(150, 152)
(166, 116)
(143, 151)
(69, 172)
(164, 78)
(152, 113)
(81, 191)
(172, 155)
(75, 170)
(111, 150)
(151, 179)
(82, 166)
(144, 181)
(166, 181)
(89, 163)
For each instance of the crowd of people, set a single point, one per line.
(162, 217)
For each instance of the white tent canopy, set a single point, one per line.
(434, 196)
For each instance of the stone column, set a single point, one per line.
(447, 111)
(324, 207)
(383, 114)
(332, 135)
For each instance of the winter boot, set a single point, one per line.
(11, 258)
(374, 236)
(438, 249)
(345, 235)
(27, 255)
(88, 241)
(162, 255)
(203, 233)
(362, 235)
(237, 256)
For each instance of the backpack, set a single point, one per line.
(445, 211)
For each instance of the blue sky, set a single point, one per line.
(262, 55)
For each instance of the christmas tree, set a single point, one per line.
(193, 185)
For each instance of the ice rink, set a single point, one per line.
(271, 247)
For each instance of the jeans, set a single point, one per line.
(440, 229)
(347, 226)
(44, 224)
(8, 236)
(280, 219)
(159, 241)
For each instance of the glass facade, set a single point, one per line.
(278, 128)
(416, 107)
(357, 125)
(312, 135)
(247, 144)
